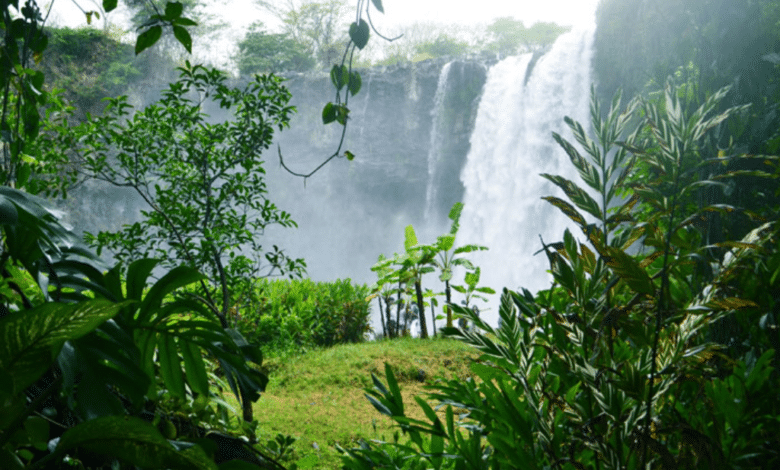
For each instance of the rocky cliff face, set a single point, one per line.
(350, 212)
(391, 120)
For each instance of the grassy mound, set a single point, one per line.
(318, 396)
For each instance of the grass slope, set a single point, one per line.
(318, 397)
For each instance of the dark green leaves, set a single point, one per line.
(134, 441)
(183, 36)
(339, 76)
(358, 32)
(109, 5)
(335, 112)
(148, 38)
(172, 17)
(378, 5)
(30, 341)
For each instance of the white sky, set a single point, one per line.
(397, 12)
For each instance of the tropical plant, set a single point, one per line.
(447, 259)
(203, 183)
(89, 357)
(616, 366)
(411, 265)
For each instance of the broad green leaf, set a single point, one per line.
(195, 368)
(328, 113)
(355, 83)
(170, 366)
(183, 36)
(378, 5)
(137, 274)
(410, 238)
(173, 10)
(8, 212)
(339, 76)
(132, 440)
(147, 39)
(177, 277)
(577, 195)
(567, 209)
(31, 340)
(109, 5)
(359, 34)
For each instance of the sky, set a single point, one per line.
(397, 12)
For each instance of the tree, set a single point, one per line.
(318, 25)
(510, 36)
(443, 45)
(263, 52)
(203, 183)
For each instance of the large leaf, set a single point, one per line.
(410, 238)
(31, 340)
(147, 39)
(134, 441)
(177, 277)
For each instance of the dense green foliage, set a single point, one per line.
(91, 361)
(399, 274)
(203, 183)
(290, 314)
(88, 65)
(263, 52)
(663, 358)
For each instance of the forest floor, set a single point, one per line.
(318, 397)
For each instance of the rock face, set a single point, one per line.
(350, 212)
(391, 120)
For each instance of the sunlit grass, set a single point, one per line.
(318, 396)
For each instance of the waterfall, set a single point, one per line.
(435, 148)
(510, 146)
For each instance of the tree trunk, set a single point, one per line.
(382, 316)
(398, 312)
(390, 330)
(448, 294)
(421, 309)
(433, 318)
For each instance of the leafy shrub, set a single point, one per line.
(284, 313)
(661, 359)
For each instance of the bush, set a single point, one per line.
(293, 313)
(665, 358)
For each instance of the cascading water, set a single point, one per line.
(435, 149)
(510, 146)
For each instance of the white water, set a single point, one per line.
(511, 145)
(434, 151)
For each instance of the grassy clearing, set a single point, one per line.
(318, 396)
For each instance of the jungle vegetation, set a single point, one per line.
(655, 346)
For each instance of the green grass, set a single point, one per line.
(318, 397)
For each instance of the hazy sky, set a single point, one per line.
(243, 12)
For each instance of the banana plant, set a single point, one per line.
(447, 256)
(410, 266)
